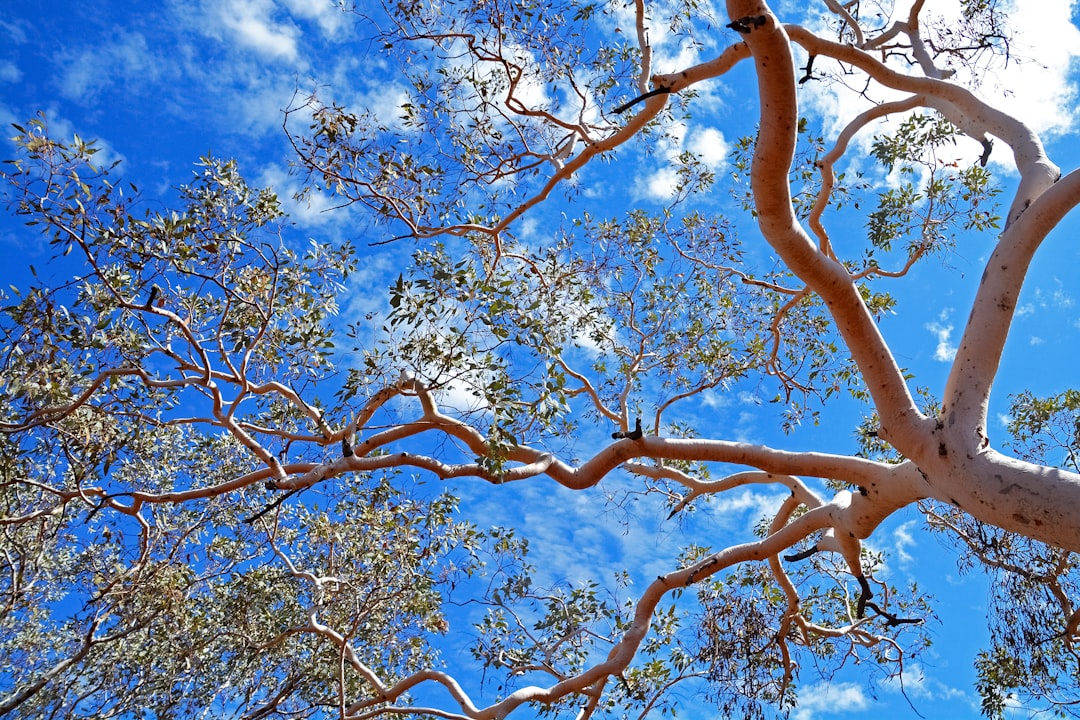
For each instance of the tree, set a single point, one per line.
(210, 504)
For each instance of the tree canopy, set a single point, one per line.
(222, 496)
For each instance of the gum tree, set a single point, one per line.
(202, 482)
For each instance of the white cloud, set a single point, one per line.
(826, 699)
(902, 540)
(15, 31)
(312, 211)
(748, 398)
(256, 109)
(7, 117)
(1056, 300)
(710, 145)
(742, 509)
(1060, 298)
(62, 128)
(1039, 93)
(9, 72)
(672, 51)
(385, 101)
(126, 58)
(945, 350)
(660, 185)
(246, 21)
(713, 399)
(250, 70)
(578, 536)
(915, 682)
(707, 143)
(745, 430)
(329, 17)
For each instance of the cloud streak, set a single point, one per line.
(945, 349)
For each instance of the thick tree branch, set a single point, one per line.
(773, 154)
(829, 160)
(978, 355)
(961, 108)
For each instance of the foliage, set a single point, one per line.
(129, 580)
(1034, 586)
(214, 488)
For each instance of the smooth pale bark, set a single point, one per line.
(949, 457)
(773, 154)
(953, 452)
(979, 353)
(960, 107)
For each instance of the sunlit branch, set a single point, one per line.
(773, 154)
(829, 159)
(773, 361)
(707, 70)
(979, 352)
(725, 270)
(644, 47)
(691, 392)
(910, 28)
(625, 650)
(21, 695)
(851, 23)
(960, 107)
(47, 415)
(782, 517)
(588, 388)
(699, 488)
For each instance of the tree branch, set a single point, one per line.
(773, 154)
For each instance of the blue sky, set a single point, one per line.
(160, 84)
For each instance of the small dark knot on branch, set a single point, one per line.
(864, 596)
(154, 292)
(801, 555)
(746, 24)
(864, 602)
(627, 105)
(634, 434)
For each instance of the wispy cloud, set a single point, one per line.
(903, 539)
(327, 15)
(659, 185)
(915, 682)
(1055, 300)
(247, 21)
(830, 700)
(9, 72)
(711, 146)
(126, 58)
(1039, 94)
(945, 350)
(312, 211)
(742, 509)
(708, 143)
